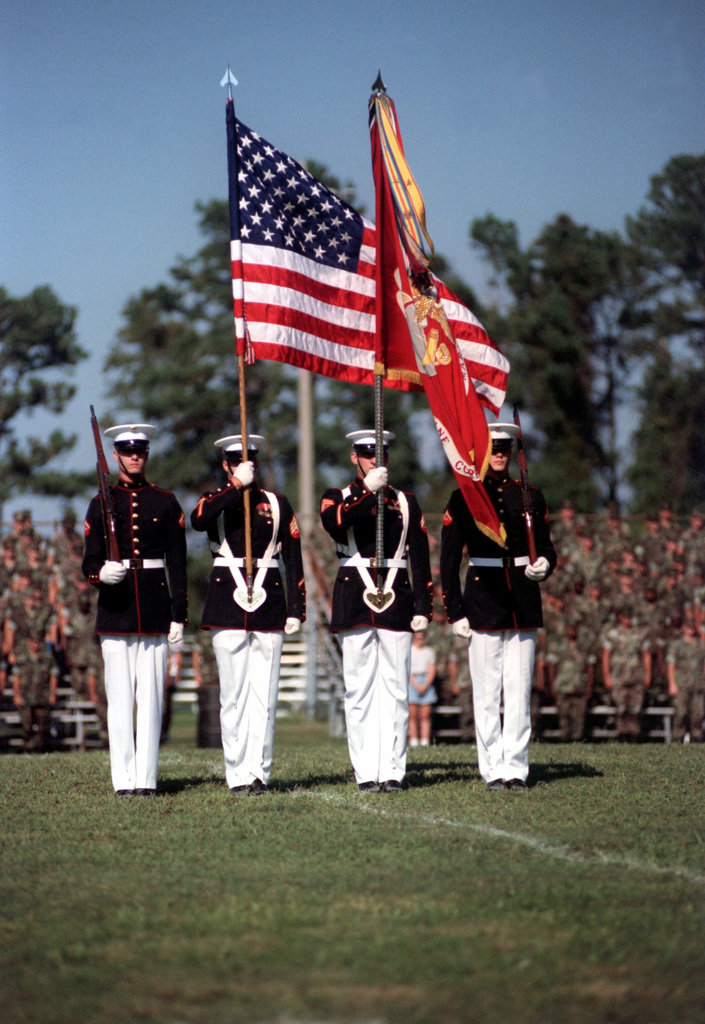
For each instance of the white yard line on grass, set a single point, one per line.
(540, 846)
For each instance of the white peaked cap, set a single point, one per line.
(503, 431)
(131, 432)
(368, 436)
(233, 443)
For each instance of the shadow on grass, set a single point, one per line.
(544, 774)
(313, 781)
(432, 773)
(193, 782)
(418, 776)
(173, 786)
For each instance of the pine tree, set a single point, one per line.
(38, 351)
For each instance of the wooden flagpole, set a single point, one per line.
(239, 322)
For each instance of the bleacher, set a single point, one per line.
(74, 723)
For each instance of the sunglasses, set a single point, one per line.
(236, 457)
(368, 450)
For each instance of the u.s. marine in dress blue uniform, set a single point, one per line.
(501, 605)
(142, 601)
(247, 636)
(377, 643)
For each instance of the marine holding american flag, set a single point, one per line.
(248, 626)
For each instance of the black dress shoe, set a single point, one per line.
(146, 792)
(496, 784)
(257, 788)
(392, 786)
(240, 790)
(369, 787)
(516, 784)
(124, 792)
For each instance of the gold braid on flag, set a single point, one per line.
(408, 202)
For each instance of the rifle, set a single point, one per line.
(525, 489)
(106, 497)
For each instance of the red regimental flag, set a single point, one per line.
(416, 337)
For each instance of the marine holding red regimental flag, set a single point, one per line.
(375, 610)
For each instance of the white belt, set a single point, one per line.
(387, 563)
(500, 563)
(239, 563)
(143, 563)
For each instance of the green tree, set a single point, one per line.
(667, 237)
(174, 363)
(38, 350)
(564, 334)
(670, 439)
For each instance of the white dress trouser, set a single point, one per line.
(248, 667)
(135, 670)
(376, 666)
(502, 663)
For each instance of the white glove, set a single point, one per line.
(292, 626)
(419, 623)
(462, 628)
(245, 473)
(112, 572)
(176, 632)
(377, 478)
(538, 570)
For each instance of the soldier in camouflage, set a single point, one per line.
(626, 669)
(685, 663)
(691, 546)
(570, 676)
(67, 545)
(34, 671)
(81, 647)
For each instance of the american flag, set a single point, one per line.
(305, 261)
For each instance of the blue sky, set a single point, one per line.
(112, 121)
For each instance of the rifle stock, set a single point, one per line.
(106, 497)
(525, 490)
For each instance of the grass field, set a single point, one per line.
(581, 901)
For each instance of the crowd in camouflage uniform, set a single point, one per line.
(624, 624)
(618, 588)
(613, 615)
(47, 610)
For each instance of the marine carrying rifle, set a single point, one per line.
(106, 497)
(525, 489)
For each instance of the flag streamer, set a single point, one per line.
(408, 202)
